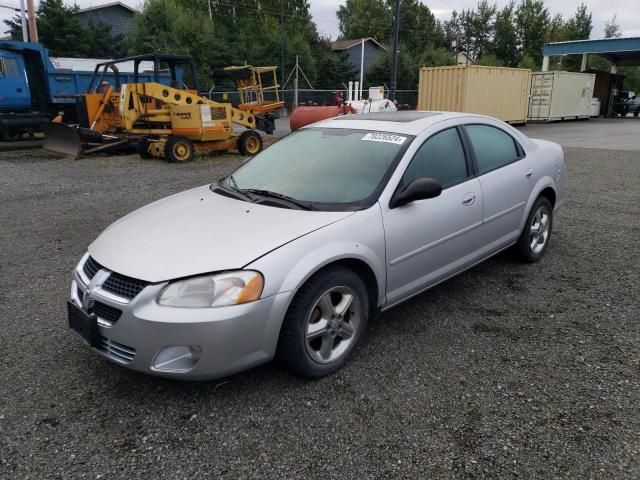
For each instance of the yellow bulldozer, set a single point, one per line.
(167, 117)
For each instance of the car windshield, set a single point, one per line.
(323, 167)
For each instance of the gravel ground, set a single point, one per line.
(507, 370)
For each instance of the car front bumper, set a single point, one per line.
(185, 343)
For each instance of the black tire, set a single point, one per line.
(178, 150)
(528, 250)
(142, 147)
(636, 113)
(295, 351)
(250, 143)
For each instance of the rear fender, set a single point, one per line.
(541, 184)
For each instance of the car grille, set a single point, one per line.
(116, 351)
(107, 312)
(91, 267)
(123, 286)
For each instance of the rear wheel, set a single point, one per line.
(249, 143)
(325, 322)
(534, 240)
(178, 150)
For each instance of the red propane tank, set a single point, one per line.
(303, 116)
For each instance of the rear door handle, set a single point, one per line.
(529, 173)
(469, 199)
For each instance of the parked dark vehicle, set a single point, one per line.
(626, 103)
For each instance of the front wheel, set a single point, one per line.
(142, 147)
(325, 322)
(178, 150)
(534, 240)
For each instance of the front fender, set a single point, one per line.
(359, 237)
(330, 253)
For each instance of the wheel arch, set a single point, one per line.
(550, 194)
(359, 265)
(365, 272)
(545, 188)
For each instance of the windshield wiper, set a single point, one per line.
(233, 189)
(279, 196)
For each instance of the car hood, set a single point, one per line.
(200, 231)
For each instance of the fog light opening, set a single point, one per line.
(177, 358)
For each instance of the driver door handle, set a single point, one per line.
(529, 173)
(469, 199)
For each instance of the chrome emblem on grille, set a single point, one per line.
(88, 301)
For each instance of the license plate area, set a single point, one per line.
(86, 325)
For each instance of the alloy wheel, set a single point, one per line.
(332, 324)
(539, 231)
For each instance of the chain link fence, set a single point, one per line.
(307, 96)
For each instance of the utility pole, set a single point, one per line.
(361, 66)
(33, 29)
(394, 54)
(282, 45)
(295, 85)
(23, 20)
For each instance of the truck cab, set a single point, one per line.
(14, 86)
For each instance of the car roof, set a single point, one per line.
(407, 122)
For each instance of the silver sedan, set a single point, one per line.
(292, 254)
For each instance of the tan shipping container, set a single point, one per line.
(495, 91)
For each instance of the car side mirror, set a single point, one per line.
(419, 189)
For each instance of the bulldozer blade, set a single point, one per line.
(61, 138)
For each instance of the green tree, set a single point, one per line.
(374, 18)
(419, 28)
(408, 66)
(483, 28)
(490, 60)
(15, 27)
(579, 26)
(472, 30)
(505, 44)
(61, 32)
(164, 26)
(532, 22)
(408, 70)
(452, 31)
(612, 28)
(58, 29)
(365, 18)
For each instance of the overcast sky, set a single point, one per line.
(324, 12)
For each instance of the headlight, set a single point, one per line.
(215, 290)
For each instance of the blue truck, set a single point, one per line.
(33, 90)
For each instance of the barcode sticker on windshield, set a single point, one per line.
(384, 137)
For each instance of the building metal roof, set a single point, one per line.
(621, 51)
(107, 5)
(347, 44)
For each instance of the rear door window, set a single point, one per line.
(493, 148)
